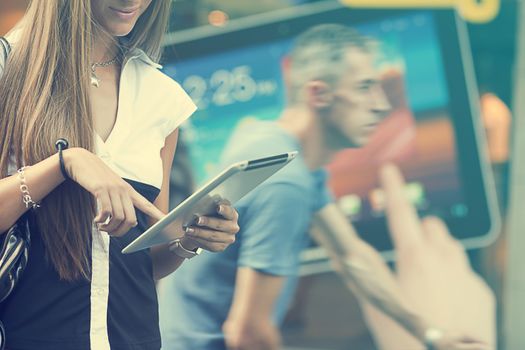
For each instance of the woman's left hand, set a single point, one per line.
(214, 234)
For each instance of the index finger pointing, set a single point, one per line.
(146, 206)
(403, 221)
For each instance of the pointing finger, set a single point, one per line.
(403, 221)
(146, 206)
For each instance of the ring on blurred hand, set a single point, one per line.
(108, 220)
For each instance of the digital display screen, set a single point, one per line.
(239, 84)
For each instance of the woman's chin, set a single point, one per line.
(120, 30)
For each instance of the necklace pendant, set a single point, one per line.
(95, 81)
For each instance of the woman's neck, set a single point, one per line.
(104, 48)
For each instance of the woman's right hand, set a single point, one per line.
(116, 199)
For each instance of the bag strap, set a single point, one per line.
(6, 47)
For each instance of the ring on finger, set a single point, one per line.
(110, 216)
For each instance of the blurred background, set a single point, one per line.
(324, 314)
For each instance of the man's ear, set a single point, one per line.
(319, 94)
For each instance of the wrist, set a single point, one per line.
(182, 249)
(188, 243)
(69, 155)
(62, 144)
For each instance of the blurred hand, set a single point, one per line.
(433, 272)
(214, 234)
(259, 334)
(116, 199)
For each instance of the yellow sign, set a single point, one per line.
(478, 11)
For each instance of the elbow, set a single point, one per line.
(158, 272)
(246, 335)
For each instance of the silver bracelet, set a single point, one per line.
(26, 197)
(176, 247)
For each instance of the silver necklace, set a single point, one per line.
(95, 80)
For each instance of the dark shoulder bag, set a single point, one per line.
(14, 244)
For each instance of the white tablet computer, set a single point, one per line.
(232, 184)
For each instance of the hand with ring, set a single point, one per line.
(214, 234)
(116, 199)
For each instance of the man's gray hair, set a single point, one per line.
(319, 54)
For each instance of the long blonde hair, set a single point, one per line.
(44, 95)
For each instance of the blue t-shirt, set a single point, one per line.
(274, 220)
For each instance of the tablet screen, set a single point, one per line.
(421, 134)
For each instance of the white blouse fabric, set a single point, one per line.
(151, 106)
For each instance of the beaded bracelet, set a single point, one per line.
(26, 197)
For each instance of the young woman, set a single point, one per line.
(85, 70)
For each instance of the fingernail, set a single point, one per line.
(220, 209)
(195, 218)
(190, 230)
(200, 221)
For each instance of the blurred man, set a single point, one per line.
(237, 299)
